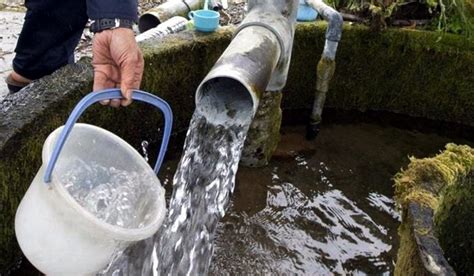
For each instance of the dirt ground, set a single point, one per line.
(10, 27)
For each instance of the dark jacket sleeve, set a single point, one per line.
(123, 9)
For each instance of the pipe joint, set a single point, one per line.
(334, 31)
(275, 23)
(279, 17)
(334, 18)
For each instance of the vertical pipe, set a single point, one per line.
(326, 65)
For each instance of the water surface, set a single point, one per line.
(320, 207)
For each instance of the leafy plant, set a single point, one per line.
(454, 16)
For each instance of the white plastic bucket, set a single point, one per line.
(61, 237)
(93, 196)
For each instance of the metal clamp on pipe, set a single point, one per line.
(326, 65)
(279, 17)
(256, 60)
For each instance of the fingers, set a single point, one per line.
(115, 103)
(100, 61)
(131, 71)
(118, 62)
(101, 82)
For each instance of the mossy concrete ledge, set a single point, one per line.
(415, 73)
(437, 199)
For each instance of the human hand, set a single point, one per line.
(118, 63)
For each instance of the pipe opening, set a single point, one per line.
(147, 21)
(225, 101)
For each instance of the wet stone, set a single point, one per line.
(264, 132)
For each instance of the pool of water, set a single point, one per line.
(319, 207)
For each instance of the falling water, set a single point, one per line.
(144, 150)
(202, 187)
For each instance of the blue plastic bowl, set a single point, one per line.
(306, 13)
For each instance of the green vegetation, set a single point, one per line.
(264, 132)
(444, 185)
(411, 72)
(408, 260)
(454, 224)
(424, 179)
(454, 16)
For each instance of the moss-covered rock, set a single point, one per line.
(408, 261)
(436, 189)
(264, 132)
(454, 225)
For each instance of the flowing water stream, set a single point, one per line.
(202, 186)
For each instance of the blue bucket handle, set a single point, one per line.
(109, 94)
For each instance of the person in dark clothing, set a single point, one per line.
(52, 30)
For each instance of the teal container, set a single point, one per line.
(306, 12)
(205, 20)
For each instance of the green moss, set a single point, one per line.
(264, 132)
(454, 225)
(424, 178)
(422, 74)
(408, 262)
(440, 184)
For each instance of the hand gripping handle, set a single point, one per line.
(108, 94)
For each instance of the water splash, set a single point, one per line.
(144, 149)
(202, 185)
(118, 197)
(384, 204)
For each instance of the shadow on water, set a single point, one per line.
(319, 207)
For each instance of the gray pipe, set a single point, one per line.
(165, 11)
(326, 65)
(256, 60)
(171, 26)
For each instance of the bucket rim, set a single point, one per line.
(114, 231)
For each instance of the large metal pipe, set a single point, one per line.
(326, 65)
(167, 10)
(256, 60)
